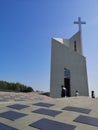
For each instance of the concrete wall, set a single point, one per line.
(70, 42)
(77, 38)
(64, 57)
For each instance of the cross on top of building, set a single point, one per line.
(79, 22)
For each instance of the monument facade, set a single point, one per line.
(68, 66)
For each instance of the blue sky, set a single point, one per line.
(26, 29)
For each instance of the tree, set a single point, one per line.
(15, 87)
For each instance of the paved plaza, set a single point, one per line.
(33, 111)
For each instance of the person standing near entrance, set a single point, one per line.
(92, 94)
(63, 91)
(76, 93)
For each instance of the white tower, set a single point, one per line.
(68, 66)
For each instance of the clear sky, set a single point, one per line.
(26, 29)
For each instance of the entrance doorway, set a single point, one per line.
(67, 82)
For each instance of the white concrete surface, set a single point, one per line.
(64, 56)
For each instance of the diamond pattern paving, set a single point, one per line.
(18, 106)
(46, 124)
(12, 115)
(44, 104)
(87, 120)
(47, 112)
(77, 109)
(6, 127)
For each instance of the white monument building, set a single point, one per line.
(68, 66)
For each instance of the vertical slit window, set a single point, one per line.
(75, 46)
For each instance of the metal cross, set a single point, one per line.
(79, 22)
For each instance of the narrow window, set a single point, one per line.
(66, 73)
(75, 46)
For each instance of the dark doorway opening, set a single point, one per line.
(67, 81)
(67, 86)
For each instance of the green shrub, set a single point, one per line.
(17, 87)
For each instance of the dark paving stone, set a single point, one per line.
(46, 124)
(47, 112)
(19, 100)
(6, 127)
(18, 106)
(44, 104)
(38, 98)
(87, 120)
(11, 115)
(4, 100)
(77, 109)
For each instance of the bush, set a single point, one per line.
(17, 87)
